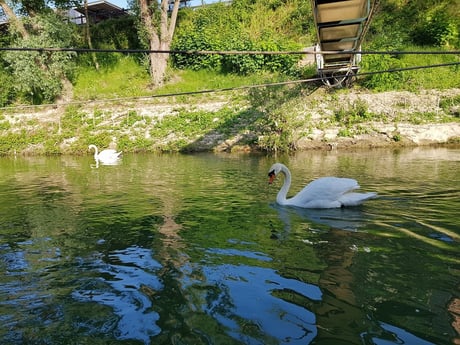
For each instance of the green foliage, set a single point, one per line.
(7, 93)
(5, 125)
(187, 130)
(355, 118)
(355, 113)
(99, 139)
(437, 28)
(72, 120)
(430, 78)
(390, 80)
(183, 124)
(12, 142)
(277, 124)
(190, 80)
(371, 63)
(423, 22)
(193, 40)
(451, 105)
(131, 119)
(222, 28)
(38, 76)
(5, 35)
(138, 144)
(117, 33)
(247, 64)
(124, 79)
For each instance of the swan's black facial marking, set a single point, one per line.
(271, 176)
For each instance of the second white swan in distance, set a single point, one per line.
(324, 192)
(105, 156)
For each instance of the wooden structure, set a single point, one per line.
(341, 26)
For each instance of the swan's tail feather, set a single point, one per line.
(354, 199)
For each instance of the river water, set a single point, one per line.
(192, 249)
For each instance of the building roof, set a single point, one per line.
(101, 10)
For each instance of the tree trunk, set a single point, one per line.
(88, 36)
(159, 35)
(13, 19)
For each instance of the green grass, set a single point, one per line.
(190, 81)
(125, 79)
(411, 80)
(271, 116)
(128, 79)
(431, 78)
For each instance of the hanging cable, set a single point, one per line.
(226, 52)
(245, 87)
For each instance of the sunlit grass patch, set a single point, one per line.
(129, 79)
(125, 79)
(435, 77)
(208, 80)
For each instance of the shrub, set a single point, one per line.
(37, 75)
(242, 26)
(437, 28)
(276, 121)
(7, 92)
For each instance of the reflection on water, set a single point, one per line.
(254, 306)
(393, 335)
(125, 282)
(349, 219)
(192, 249)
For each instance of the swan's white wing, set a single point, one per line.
(108, 155)
(325, 192)
(354, 199)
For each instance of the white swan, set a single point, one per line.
(105, 156)
(325, 192)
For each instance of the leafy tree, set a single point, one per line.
(242, 26)
(39, 76)
(13, 20)
(32, 8)
(159, 25)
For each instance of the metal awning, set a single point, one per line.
(102, 10)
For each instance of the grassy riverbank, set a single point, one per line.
(115, 108)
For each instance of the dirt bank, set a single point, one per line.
(403, 119)
(395, 119)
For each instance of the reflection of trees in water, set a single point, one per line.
(362, 299)
(340, 318)
(208, 298)
(114, 225)
(370, 295)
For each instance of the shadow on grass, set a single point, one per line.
(269, 114)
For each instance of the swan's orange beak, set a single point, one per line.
(271, 177)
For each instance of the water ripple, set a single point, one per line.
(126, 287)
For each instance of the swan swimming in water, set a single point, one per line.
(105, 156)
(324, 192)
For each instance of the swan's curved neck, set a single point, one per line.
(281, 197)
(95, 151)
